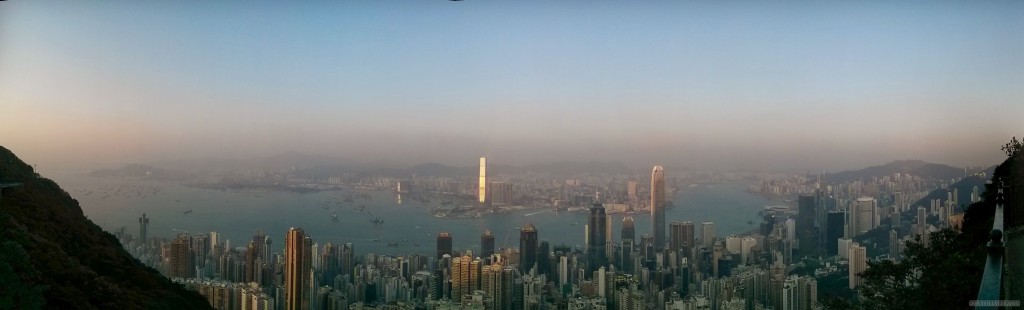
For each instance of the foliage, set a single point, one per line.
(49, 248)
(16, 278)
(1013, 147)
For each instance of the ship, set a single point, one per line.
(392, 244)
(188, 211)
(377, 221)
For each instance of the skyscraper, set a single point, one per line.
(180, 260)
(527, 248)
(444, 244)
(864, 216)
(486, 244)
(501, 194)
(631, 192)
(482, 193)
(707, 236)
(465, 276)
(596, 228)
(298, 264)
(628, 230)
(143, 226)
(680, 236)
(834, 231)
(894, 245)
(858, 264)
(658, 206)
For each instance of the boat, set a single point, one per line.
(188, 211)
(377, 221)
(393, 244)
(334, 218)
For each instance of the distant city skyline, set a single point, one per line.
(717, 86)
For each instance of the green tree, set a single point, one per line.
(16, 272)
(1013, 147)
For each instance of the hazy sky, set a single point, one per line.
(764, 85)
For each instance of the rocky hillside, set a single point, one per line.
(53, 257)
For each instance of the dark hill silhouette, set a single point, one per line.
(913, 167)
(52, 256)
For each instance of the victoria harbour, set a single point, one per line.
(407, 227)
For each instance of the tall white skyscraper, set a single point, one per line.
(482, 193)
(858, 264)
(658, 206)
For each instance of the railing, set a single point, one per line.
(990, 291)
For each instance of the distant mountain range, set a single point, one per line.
(314, 166)
(913, 167)
(140, 171)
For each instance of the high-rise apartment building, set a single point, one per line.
(297, 269)
(658, 206)
(143, 227)
(858, 264)
(465, 276)
(180, 259)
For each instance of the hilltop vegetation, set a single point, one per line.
(53, 257)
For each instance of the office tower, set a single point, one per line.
(791, 230)
(143, 226)
(680, 236)
(482, 193)
(858, 264)
(707, 236)
(180, 265)
(628, 230)
(863, 217)
(298, 265)
(444, 244)
(544, 259)
(501, 194)
(834, 231)
(527, 248)
(805, 217)
(257, 258)
(596, 231)
(631, 191)
(746, 247)
(658, 206)
(486, 244)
